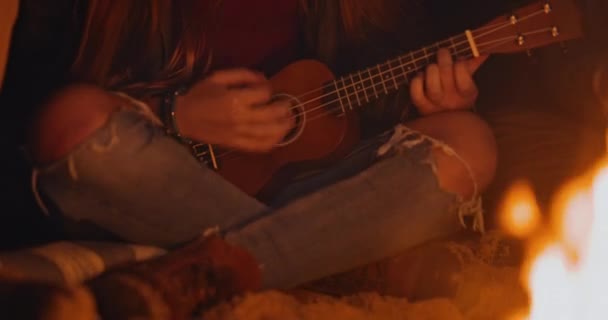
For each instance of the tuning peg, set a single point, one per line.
(547, 7)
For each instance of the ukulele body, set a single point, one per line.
(323, 133)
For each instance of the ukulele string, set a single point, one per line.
(223, 155)
(482, 32)
(509, 23)
(481, 46)
(495, 43)
(452, 41)
(498, 42)
(353, 85)
(486, 46)
(492, 28)
(371, 78)
(384, 82)
(391, 69)
(329, 111)
(389, 62)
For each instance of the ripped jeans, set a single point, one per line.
(131, 179)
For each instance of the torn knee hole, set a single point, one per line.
(453, 173)
(456, 176)
(447, 164)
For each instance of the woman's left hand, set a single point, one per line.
(446, 85)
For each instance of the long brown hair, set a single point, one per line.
(121, 43)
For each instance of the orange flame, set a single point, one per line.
(520, 215)
(567, 261)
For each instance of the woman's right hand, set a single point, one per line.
(232, 108)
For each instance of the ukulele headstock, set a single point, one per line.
(535, 25)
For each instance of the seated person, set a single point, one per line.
(103, 156)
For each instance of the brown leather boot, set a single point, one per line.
(178, 284)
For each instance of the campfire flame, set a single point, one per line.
(566, 267)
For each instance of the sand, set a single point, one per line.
(485, 286)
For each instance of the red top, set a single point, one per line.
(259, 34)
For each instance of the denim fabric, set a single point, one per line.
(133, 180)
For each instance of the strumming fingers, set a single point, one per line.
(258, 94)
(277, 111)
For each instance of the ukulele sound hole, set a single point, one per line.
(299, 116)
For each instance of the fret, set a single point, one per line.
(410, 66)
(350, 105)
(392, 73)
(388, 76)
(462, 50)
(371, 79)
(435, 46)
(440, 44)
(458, 42)
(413, 59)
(339, 97)
(421, 59)
(382, 79)
(447, 44)
(346, 92)
(363, 85)
(356, 89)
(452, 47)
(426, 56)
(403, 70)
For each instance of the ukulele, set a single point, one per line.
(326, 126)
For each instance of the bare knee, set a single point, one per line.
(67, 119)
(473, 142)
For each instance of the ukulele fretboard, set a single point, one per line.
(359, 88)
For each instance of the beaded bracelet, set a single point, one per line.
(168, 112)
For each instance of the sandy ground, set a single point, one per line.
(484, 284)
